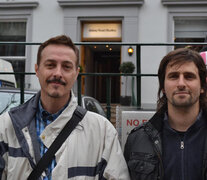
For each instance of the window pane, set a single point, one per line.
(187, 28)
(193, 40)
(18, 66)
(190, 30)
(12, 31)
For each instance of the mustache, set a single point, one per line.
(55, 80)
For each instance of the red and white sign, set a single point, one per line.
(132, 119)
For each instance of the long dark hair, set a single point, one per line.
(181, 56)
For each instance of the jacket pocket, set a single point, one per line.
(143, 166)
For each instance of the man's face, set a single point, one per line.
(182, 85)
(57, 71)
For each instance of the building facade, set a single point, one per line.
(127, 21)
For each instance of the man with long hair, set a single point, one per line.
(172, 145)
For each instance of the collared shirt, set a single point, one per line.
(183, 151)
(43, 118)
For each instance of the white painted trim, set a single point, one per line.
(183, 2)
(29, 4)
(64, 3)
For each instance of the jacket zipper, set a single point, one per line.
(182, 145)
(182, 157)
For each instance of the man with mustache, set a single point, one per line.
(172, 145)
(91, 152)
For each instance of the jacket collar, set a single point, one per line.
(53, 129)
(157, 121)
(23, 114)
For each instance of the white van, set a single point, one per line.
(7, 80)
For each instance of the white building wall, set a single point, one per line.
(147, 24)
(152, 29)
(47, 22)
(151, 22)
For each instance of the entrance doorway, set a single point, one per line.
(102, 60)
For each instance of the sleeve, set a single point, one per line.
(3, 149)
(127, 150)
(2, 166)
(116, 167)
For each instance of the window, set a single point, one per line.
(187, 21)
(13, 32)
(16, 26)
(189, 30)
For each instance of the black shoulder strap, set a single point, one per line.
(46, 159)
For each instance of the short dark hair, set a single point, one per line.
(58, 40)
(181, 56)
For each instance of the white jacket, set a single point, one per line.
(92, 151)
